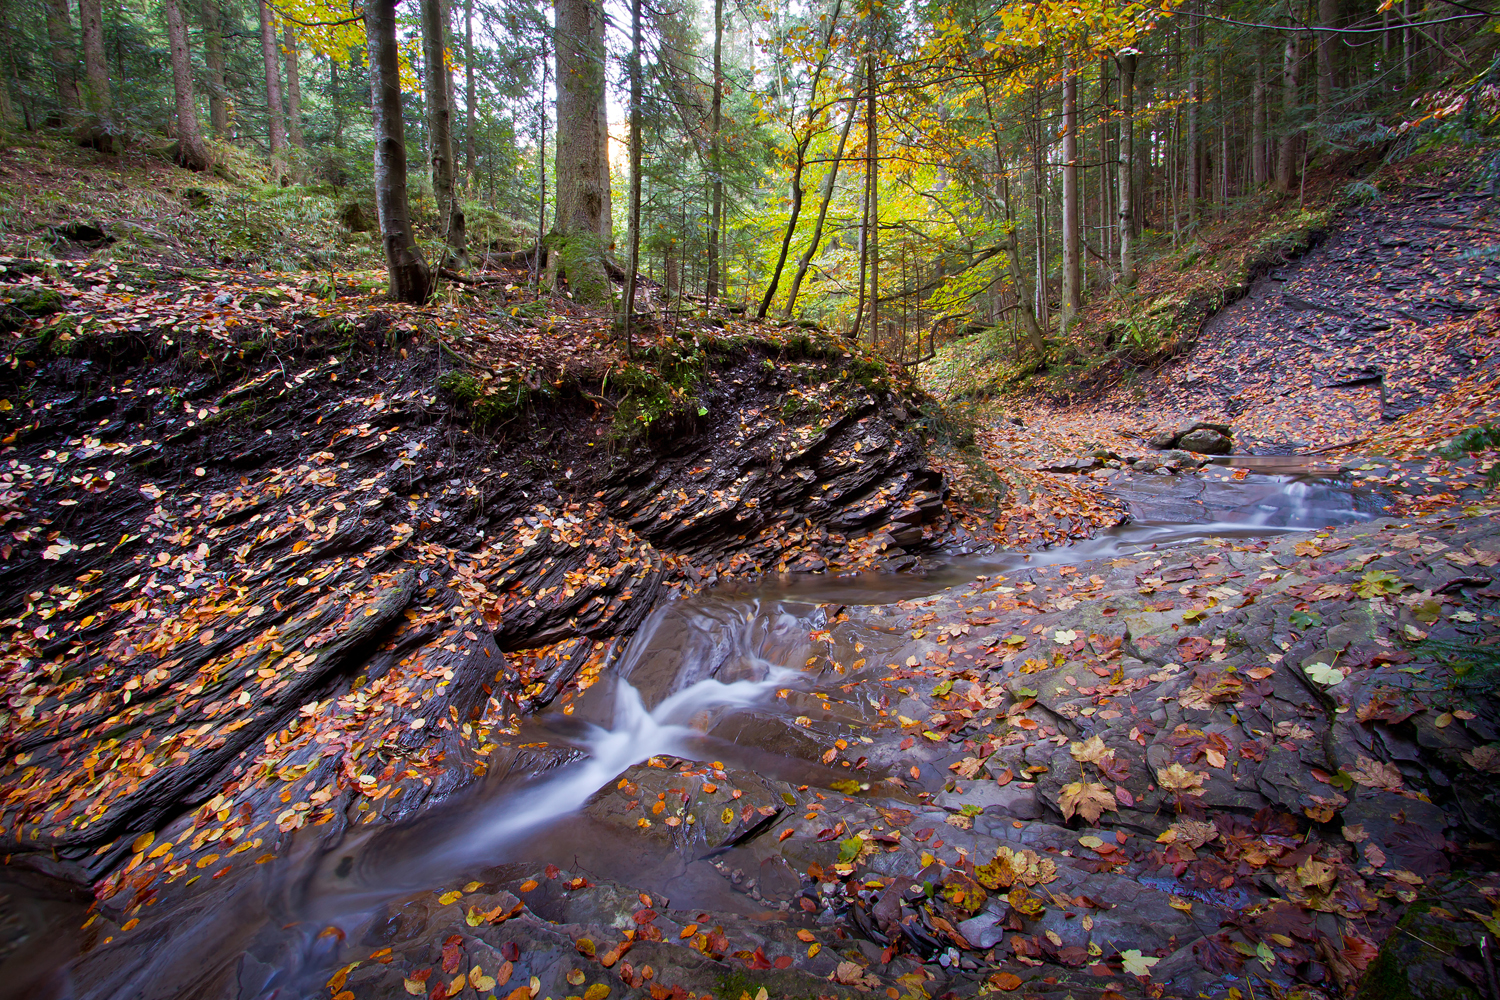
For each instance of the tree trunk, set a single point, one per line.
(802, 145)
(633, 272)
(275, 123)
(293, 89)
(716, 210)
(1286, 149)
(64, 59)
(872, 241)
(96, 76)
(1328, 17)
(191, 152)
(336, 102)
(410, 278)
(1194, 152)
(864, 260)
(1072, 292)
(469, 93)
(1258, 123)
(817, 236)
(213, 58)
(10, 76)
(1108, 115)
(438, 85)
(541, 171)
(1127, 169)
(1039, 213)
(791, 226)
(582, 225)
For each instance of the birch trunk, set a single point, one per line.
(1127, 169)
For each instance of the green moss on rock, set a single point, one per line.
(484, 404)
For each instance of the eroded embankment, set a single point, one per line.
(289, 582)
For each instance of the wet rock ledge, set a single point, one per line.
(316, 580)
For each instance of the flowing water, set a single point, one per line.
(699, 680)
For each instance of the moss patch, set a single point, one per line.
(485, 402)
(580, 263)
(27, 302)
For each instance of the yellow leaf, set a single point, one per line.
(142, 842)
(450, 897)
(598, 991)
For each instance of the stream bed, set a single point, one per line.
(718, 677)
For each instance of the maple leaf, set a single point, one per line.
(1136, 964)
(968, 767)
(1087, 799)
(1485, 758)
(1192, 832)
(1176, 778)
(1374, 774)
(1010, 867)
(1293, 731)
(1090, 751)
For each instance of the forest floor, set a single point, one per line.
(290, 567)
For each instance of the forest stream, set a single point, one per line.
(730, 676)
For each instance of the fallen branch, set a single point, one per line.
(1335, 447)
(464, 279)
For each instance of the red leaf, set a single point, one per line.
(754, 959)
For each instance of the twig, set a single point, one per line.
(1426, 942)
(1335, 447)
